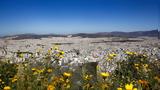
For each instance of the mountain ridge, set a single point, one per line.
(151, 33)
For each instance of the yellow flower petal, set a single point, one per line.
(50, 87)
(7, 88)
(135, 89)
(119, 88)
(49, 70)
(67, 74)
(104, 74)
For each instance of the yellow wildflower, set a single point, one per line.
(68, 86)
(35, 73)
(67, 80)
(40, 71)
(0, 80)
(7, 88)
(112, 55)
(109, 59)
(67, 74)
(137, 68)
(129, 86)
(21, 55)
(61, 79)
(49, 70)
(130, 53)
(136, 64)
(135, 89)
(119, 88)
(144, 82)
(145, 65)
(55, 47)
(87, 77)
(33, 69)
(25, 64)
(61, 56)
(14, 80)
(57, 55)
(104, 74)
(51, 87)
(61, 52)
(127, 52)
(49, 51)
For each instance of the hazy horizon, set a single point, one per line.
(77, 16)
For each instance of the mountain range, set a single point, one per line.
(151, 33)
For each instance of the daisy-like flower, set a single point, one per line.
(129, 86)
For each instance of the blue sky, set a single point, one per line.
(75, 16)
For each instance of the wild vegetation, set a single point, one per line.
(24, 72)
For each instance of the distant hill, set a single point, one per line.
(152, 33)
(32, 36)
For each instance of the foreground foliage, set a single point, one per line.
(136, 72)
